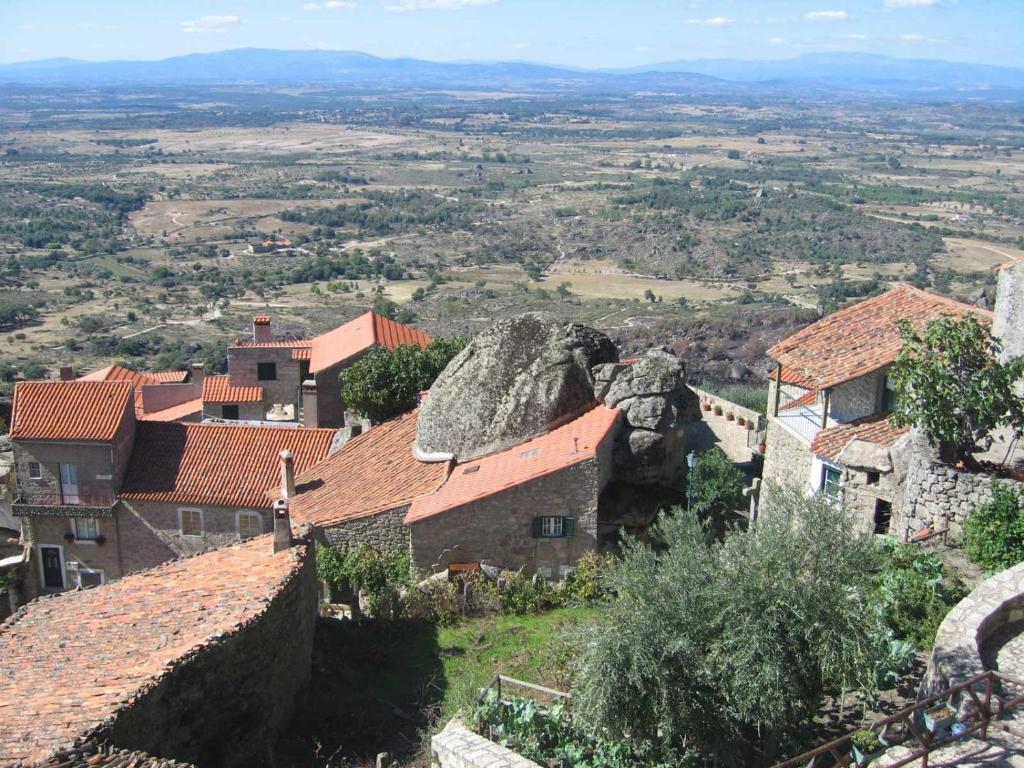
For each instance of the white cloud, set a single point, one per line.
(854, 36)
(520, 46)
(330, 5)
(403, 6)
(921, 39)
(827, 16)
(910, 3)
(776, 40)
(715, 21)
(206, 24)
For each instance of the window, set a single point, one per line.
(69, 483)
(249, 524)
(553, 527)
(872, 478)
(86, 528)
(35, 470)
(229, 412)
(883, 515)
(266, 371)
(191, 522)
(90, 577)
(888, 397)
(830, 478)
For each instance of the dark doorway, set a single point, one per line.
(883, 515)
(53, 567)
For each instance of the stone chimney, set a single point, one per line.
(261, 329)
(198, 374)
(282, 527)
(309, 415)
(287, 475)
(67, 373)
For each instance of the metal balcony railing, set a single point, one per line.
(51, 499)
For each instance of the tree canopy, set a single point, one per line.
(950, 381)
(720, 646)
(384, 383)
(716, 486)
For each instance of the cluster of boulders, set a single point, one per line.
(528, 373)
(652, 393)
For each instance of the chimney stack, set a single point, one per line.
(282, 527)
(309, 402)
(287, 475)
(261, 330)
(198, 374)
(67, 373)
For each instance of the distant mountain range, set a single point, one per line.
(821, 71)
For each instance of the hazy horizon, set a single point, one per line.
(593, 34)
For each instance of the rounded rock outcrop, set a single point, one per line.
(511, 382)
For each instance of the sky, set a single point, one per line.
(585, 33)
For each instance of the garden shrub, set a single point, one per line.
(381, 575)
(587, 582)
(523, 595)
(994, 532)
(445, 602)
(914, 593)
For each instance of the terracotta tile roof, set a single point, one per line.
(359, 335)
(219, 389)
(229, 465)
(296, 343)
(70, 661)
(302, 353)
(137, 378)
(69, 410)
(169, 377)
(789, 376)
(863, 337)
(828, 443)
(372, 473)
(558, 449)
(174, 412)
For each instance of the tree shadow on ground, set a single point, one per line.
(375, 687)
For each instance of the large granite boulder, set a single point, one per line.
(513, 381)
(651, 448)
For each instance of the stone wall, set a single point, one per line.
(753, 417)
(385, 532)
(225, 704)
(787, 459)
(220, 525)
(458, 747)
(242, 367)
(960, 641)
(1008, 322)
(938, 496)
(498, 530)
(857, 398)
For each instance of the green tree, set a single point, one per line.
(385, 307)
(719, 647)
(716, 486)
(950, 381)
(384, 383)
(994, 532)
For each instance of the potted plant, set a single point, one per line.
(762, 447)
(101, 539)
(718, 409)
(729, 416)
(69, 537)
(706, 405)
(866, 746)
(939, 717)
(740, 421)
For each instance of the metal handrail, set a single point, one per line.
(499, 679)
(840, 752)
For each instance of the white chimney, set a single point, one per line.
(282, 527)
(198, 373)
(287, 475)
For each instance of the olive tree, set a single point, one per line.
(719, 646)
(950, 381)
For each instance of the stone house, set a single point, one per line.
(100, 494)
(296, 380)
(829, 401)
(532, 506)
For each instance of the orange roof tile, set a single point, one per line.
(69, 410)
(72, 660)
(137, 378)
(219, 389)
(221, 464)
(558, 449)
(372, 473)
(829, 443)
(863, 337)
(789, 376)
(296, 343)
(359, 335)
(168, 377)
(302, 353)
(174, 412)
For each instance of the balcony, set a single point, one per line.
(801, 411)
(50, 504)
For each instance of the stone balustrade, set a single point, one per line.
(458, 747)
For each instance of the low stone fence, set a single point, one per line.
(939, 496)
(752, 417)
(960, 641)
(458, 747)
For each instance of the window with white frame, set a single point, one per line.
(35, 470)
(249, 524)
(551, 527)
(191, 522)
(830, 480)
(90, 577)
(86, 528)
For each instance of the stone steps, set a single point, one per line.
(1004, 748)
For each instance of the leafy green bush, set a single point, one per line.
(381, 575)
(913, 592)
(754, 398)
(994, 532)
(587, 583)
(445, 602)
(523, 595)
(716, 485)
